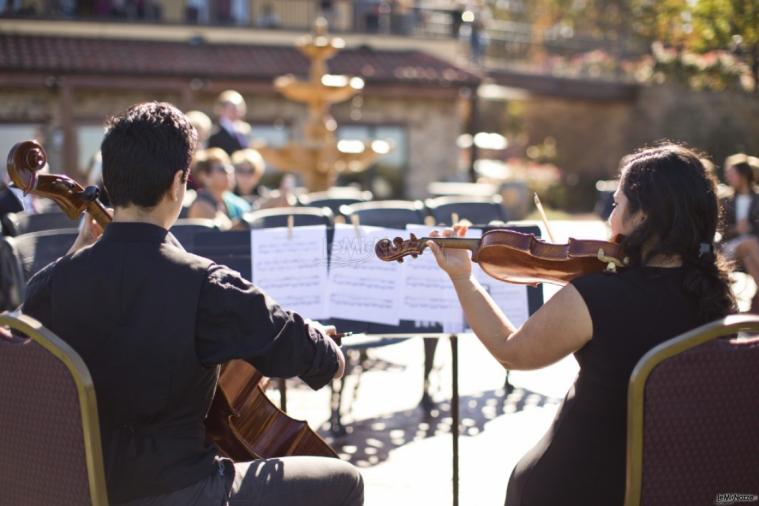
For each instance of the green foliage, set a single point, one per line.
(689, 27)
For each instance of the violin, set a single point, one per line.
(242, 421)
(515, 257)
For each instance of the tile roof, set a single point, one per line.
(129, 57)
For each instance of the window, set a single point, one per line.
(89, 138)
(385, 177)
(272, 134)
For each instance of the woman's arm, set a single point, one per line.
(561, 326)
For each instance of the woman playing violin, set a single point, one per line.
(666, 208)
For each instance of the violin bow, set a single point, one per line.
(542, 212)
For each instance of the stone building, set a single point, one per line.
(59, 80)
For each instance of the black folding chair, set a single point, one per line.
(230, 248)
(386, 213)
(478, 210)
(185, 230)
(53, 220)
(279, 217)
(12, 281)
(334, 198)
(37, 249)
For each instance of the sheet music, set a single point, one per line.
(292, 270)
(429, 293)
(361, 286)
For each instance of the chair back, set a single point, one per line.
(478, 210)
(37, 249)
(693, 417)
(386, 213)
(460, 189)
(50, 449)
(52, 220)
(185, 229)
(279, 216)
(334, 198)
(230, 248)
(12, 281)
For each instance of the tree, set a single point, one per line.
(732, 25)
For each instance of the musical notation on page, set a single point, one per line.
(361, 286)
(291, 266)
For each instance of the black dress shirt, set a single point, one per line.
(152, 322)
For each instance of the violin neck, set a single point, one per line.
(470, 243)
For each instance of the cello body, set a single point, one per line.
(246, 425)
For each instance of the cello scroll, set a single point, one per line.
(27, 158)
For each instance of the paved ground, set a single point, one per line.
(404, 451)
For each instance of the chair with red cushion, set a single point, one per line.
(693, 417)
(50, 449)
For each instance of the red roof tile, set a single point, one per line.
(75, 55)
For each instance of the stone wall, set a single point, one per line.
(591, 137)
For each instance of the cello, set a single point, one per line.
(242, 421)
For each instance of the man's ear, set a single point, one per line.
(175, 191)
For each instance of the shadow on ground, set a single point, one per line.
(369, 442)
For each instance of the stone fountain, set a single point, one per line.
(319, 157)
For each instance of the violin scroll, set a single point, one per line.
(398, 248)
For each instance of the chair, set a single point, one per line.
(386, 213)
(50, 448)
(693, 417)
(185, 229)
(334, 198)
(53, 220)
(278, 217)
(478, 210)
(37, 249)
(12, 281)
(229, 247)
(460, 189)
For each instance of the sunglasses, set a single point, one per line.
(221, 168)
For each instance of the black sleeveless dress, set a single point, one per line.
(581, 460)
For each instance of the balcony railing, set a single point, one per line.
(360, 16)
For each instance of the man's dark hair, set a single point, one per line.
(142, 150)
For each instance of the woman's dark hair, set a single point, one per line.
(679, 199)
(142, 150)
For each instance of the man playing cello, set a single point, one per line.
(153, 323)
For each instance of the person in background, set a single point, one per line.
(202, 124)
(741, 215)
(214, 174)
(268, 18)
(249, 168)
(232, 132)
